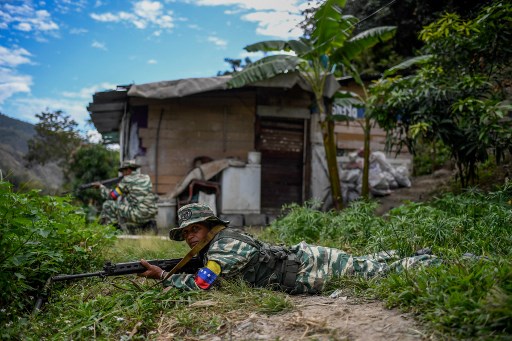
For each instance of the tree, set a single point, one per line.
(55, 139)
(461, 95)
(410, 16)
(236, 65)
(89, 163)
(331, 39)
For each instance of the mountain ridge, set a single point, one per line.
(14, 137)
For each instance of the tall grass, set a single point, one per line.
(349, 230)
(468, 296)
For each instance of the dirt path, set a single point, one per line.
(423, 188)
(324, 318)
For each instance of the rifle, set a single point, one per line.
(107, 182)
(119, 269)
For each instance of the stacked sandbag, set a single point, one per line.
(382, 177)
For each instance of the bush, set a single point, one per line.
(349, 229)
(41, 236)
(467, 296)
(430, 157)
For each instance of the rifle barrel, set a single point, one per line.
(117, 269)
(59, 278)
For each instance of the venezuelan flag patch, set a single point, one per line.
(116, 193)
(207, 275)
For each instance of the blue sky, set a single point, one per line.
(55, 54)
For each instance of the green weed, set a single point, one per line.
(465, 297)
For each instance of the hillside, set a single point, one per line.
(14, 135)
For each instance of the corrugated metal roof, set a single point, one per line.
(108, 107)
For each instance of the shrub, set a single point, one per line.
(467, 296)
(41, 236)
(349, 229)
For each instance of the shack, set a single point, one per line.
(170, 126)
(175, 128)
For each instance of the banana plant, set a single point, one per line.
(368, 101)
(331, 45)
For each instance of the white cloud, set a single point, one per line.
(145, 13)
(27, 107)
(24, 26)
(65, 6)
(78, 31)
(73, 104)
(217, 41)
(253, 56)
(14, 57)
(152, 61)
(273, 18)
(281, 5)
(26, 18)
(86, 93)
(277, 24)
(93, 136)
(148, 9)
(98, 45)
(107, 17)
(11, 82)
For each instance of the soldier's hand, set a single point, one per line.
(96, 184)
(152, 271)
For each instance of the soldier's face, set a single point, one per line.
(194, 233)
(126, 171)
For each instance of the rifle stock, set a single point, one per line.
(119, 269)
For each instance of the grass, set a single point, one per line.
(102, 310)
(466, 298)
(128, 307)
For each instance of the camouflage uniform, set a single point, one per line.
(232, 254)
(137, 204)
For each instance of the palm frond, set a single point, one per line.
(349, 96)
(365, 40)
(330, 26)
(265, 68)
(407, 64)
(298, 46)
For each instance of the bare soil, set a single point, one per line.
(324, 318)
(423, 188)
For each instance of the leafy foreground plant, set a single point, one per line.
(463, 298)
(41, 236)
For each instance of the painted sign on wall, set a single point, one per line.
(349, 111)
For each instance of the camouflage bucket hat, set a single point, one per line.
(128, 164)
(191, 214)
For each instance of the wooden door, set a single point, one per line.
(281, 143)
